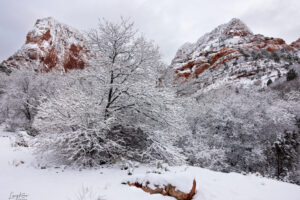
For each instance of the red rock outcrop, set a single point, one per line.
(166, 190)
(296, 44)
(223, 54)
(51, 45)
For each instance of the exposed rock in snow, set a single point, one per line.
(232, 52)
(51, 45)
(296, 44)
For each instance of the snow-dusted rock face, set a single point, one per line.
(231, 52)
(51, 45)
(296, 44)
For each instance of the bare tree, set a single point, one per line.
(21, 93)
(128, 60)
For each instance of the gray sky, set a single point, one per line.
(170, 23)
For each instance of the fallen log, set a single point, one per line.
(166, 190)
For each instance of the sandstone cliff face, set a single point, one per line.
(232, 52)
(51, 45)
(296, 44)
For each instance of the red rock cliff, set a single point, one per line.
(51, 45)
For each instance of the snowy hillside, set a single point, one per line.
(21, 174)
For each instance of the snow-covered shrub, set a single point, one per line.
(73, 126)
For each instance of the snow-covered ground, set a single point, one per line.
(19, 173)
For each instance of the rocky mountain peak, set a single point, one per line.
(296, 44)
(235, 27)
(51, 45)
(231, 53)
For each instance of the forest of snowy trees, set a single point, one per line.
(116, 110)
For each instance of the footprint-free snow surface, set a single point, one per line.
(21, 175)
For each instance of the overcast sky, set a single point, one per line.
(170, 23)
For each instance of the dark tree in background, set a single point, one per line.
(286, 150)
(292, 74)
(269, 82)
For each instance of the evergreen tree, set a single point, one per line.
(286, 150)
(292, 74)
(269, 82)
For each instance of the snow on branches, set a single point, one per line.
(79, 122)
